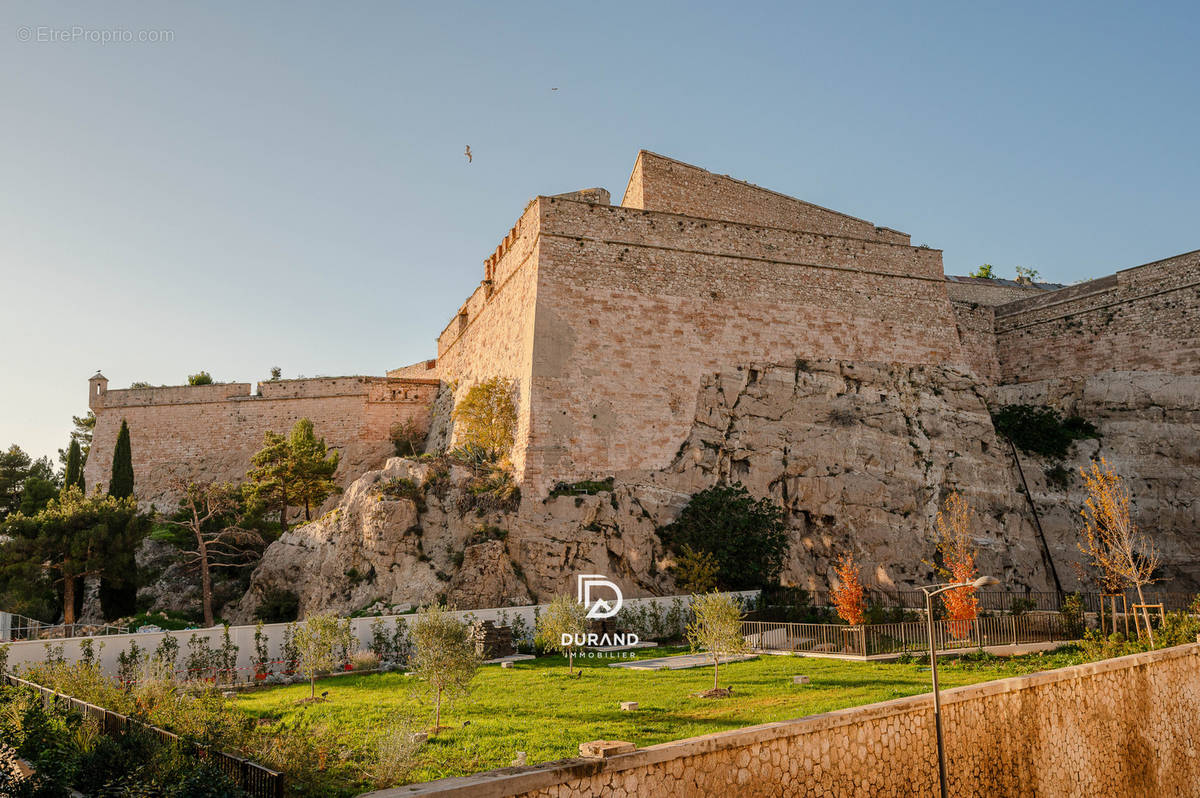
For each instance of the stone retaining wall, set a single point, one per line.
(1121, 727)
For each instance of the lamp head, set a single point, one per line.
(985, 581)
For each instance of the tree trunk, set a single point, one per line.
(716, 665)
(283, 516)
(206, 591)
(68, 598)
(307, 517)
(1145, 615)
(312, 685)
(570, 662)
(437, 712)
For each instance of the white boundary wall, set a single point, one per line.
(109, 647)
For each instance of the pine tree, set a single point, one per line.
(74, 473)
(296, 471)
(269, 483)
(312, 467)
(121, 484)
(73, 537)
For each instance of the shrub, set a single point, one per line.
(694, 571)
(289, 654)
(395, 755)
(1041, 430)
(402, 488)
(747, 537)
(1020, 606)
(131, 664)
(200, 378)
(407, 438)
(586, 487)
(486, 417)
(201, 659)
(262, 655)
(278, 606)
(494, 491)
(1058, 477)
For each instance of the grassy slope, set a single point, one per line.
(535, 707)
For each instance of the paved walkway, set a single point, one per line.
(678, 662)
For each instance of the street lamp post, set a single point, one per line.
(930, 591)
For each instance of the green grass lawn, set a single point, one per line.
(537, 708)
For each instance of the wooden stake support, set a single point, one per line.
(1112, 597)
(1143, 607)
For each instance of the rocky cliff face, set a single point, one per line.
(1149, 427)
(859, 454)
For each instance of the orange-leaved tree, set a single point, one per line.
(955, 522)
(1111, 538)
(849, 597)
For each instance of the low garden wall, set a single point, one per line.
(108, 648)
(1119, 727)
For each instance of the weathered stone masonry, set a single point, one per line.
(209, 432)
(609, 319)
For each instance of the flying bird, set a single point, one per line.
(467, 153)
(555, 88)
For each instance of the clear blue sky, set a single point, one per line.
(284, 184)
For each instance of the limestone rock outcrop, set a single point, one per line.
(860, 455)
(1149, 427)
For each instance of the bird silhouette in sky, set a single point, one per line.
(467, 153)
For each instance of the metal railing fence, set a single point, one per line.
(19, 627)
(1000, 600)
(255, 779)
(909, 637)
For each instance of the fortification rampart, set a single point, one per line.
(993, 291)
(977, 335)
(634, 305)
(209, 432)
(1142, 319)
(492, 333)
(663, 184)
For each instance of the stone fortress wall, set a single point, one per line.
(607, 318)
(209, 432)
(1146, 318)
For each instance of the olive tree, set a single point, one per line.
(443, 656)
(716, 628)
(321, 642)
(560, 626)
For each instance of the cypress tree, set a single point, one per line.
(121, 484)
(74, 475)
(118, 586)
